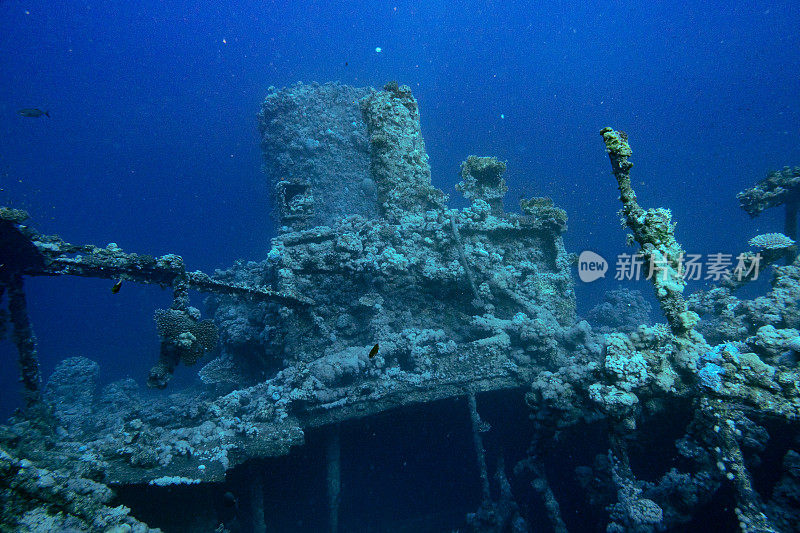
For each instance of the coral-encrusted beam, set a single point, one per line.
(654, 231)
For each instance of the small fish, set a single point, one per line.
(117, 286)
(33, 112)
(229, 510)
(374, 351)
(230, 500)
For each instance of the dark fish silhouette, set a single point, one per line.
(117, 286)
(374, 351)
(228, 512)
(230, 500)
(33, 112)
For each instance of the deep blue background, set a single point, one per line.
(153, 144)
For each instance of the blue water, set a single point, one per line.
(152, 139)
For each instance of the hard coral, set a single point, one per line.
(771, 241)
(184, 338)
(193, 337)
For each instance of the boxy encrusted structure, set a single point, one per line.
(453, 298)
(367, 254)
(316, 154)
